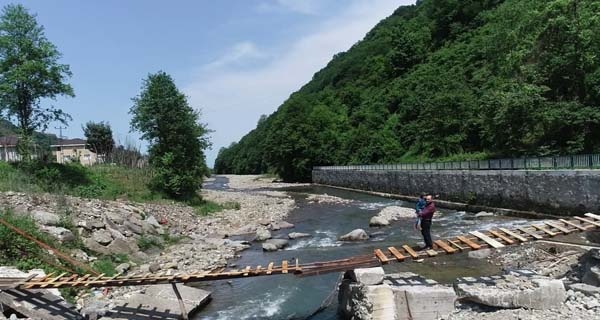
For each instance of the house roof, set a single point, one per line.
(70, 142)
(10, 141)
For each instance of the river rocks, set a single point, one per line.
(296, 235)
(262, 234)
(281, 225)
(378, 221)
(513, 290)
(102, 237)
(586, 289)
(62, 234)
(274, 244)
(355, 235)
(122, 268)
(483, 214)
(154, 267)
(592, 276)
(480, 254)
(325, 198)
(45, 218)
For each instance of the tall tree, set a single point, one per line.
(29, 72)
(99, 138)
(177, 139)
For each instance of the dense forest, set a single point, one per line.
(452, 79)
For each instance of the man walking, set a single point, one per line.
(426, 215)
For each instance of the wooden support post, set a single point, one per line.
(184, 314)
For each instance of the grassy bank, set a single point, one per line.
(108, 182)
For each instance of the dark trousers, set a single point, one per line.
(426, 232)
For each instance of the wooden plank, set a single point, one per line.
(69, 279)
(258, 269)
(597, 224)
(569, 223)
(52, 280)
(399, 256)
(444, 246)
(410, 252)
(81, 279)
(591, 215)
(381, 256)
(491, 242)
(431, 253)
(501, 236)
(284, 266)
(514, 235)
(468, 242)
(270, 268)
(556, 226)
(546, 231)
(456, 244)
(246, 271)
(531, 233)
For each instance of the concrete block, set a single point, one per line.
(368, 276)
(423, 302)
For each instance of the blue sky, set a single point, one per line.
(235, 59)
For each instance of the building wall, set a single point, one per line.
(549, 191)
(75, 153)
(8, 153)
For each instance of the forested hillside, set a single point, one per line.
(440, 79)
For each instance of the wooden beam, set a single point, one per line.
(501, 236)
(381, 256)
(399, 256)
(559, 228)
(491, 242)
(468, 242)
(284, 266)
(546, 231)
(270, 268)
(593, 216)
(444, 246)
(514, 235)
(531, 233)
(431, 253)
(52, 280)
(569, 223)
(457, 245)
(597, 224)
(410, 252)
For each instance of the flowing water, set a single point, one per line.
(290, 297)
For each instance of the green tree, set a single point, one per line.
(29, 72)
(177, 139)
(99, 138)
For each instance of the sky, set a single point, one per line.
(234, 59)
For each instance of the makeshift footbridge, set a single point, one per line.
(495, 238)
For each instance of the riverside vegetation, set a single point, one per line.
(453, 80)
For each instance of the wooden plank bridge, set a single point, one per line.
(476, 240)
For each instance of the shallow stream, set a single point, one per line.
(290, 297)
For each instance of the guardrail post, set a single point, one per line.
(572, 163)
(554, 164)
(591, 161)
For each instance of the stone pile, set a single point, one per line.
(391, 213)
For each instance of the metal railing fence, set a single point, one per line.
(582, 161)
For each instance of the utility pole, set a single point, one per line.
(60, 139)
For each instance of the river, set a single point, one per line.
(291, 297)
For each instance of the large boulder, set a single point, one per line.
(45, 218)
(296, 235)
(102, 236)
(281, 225)
(378, 221)
(62, 234)
(480, 254)
(355, 235)
(274, 244)
(514, 290)
(262, 234)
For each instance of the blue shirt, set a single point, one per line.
(420, 205)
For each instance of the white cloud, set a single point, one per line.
(240, 53)
(309, 7)
(232, 99)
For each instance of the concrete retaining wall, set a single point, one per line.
(550, 191)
